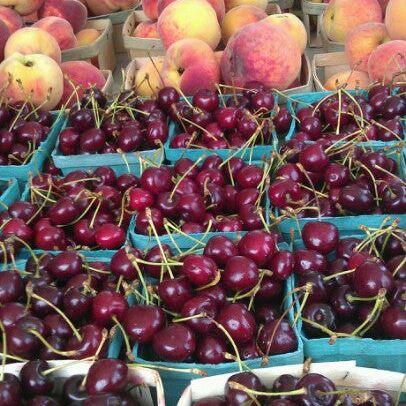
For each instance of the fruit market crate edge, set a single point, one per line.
(10, 194)
(70, 163)
(311, 9)
(175, 382)
(344, 373)
(34, 165)
(143, 377)
(102, 47)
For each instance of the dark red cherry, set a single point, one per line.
(315, 385)
(393, 322)
(282, 264)
(198, 305)
(200, 270)
(91, 337)
(211, 350)
(65, 265)
(320, 236)
(236, 397)
(370, 277)
(258, 245)
(356, 199)
(175, 293)
(11, 286)
(240, 274)
(10, 390)
(277, 337)
(106, 305)
(319, 313)
(309, 260)
(33, 381)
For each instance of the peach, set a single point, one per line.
(33, 40)
(239, 17)
(148, 80)
(350, 78)
(30, 18)
(11, 18)
(292, 25)
(36, 75)
(341, 16)
(190, 65)
(101, 7)
(387, 61)
(146, 29)
(262, 4)
(60, 29)
(87, 36)
(72, 10)
(361, 41)
(82, 75)
(218, 5)
(189, 19)
(22, 7)
(150, 8)
(395, 19)
(4, 35)
(218, 55)
(384, 4)
(252, 54)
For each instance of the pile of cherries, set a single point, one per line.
(375, 117)
(212, 304)
(22, 129)
(223, 196)
(338, 180)
(127, 125)
(108, 382)
(352, 286)
(310, 389)
(80, 210)
(58, 306)
(242, 120)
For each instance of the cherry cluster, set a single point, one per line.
(22, 129)
(246, 388)
(127, 125)
(352, 286)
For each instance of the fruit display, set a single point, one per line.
(308, 384)
(103, 382)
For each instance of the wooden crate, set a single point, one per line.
(310, 11)
(108, 86)
(102, 48)
(117, 20)
(326, 65)
(305, 80)
(328, 45)
(283, 4)
(139, 47)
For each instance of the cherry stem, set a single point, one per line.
(49, 346)
(33, 295)
(335, 275)
(61, 366)
(399, 267)
(193, 371)
(12, 357)
(195, 316)
(238, 386)
(32, 253)
(133, 260)
(129, 353)
(95, 214)
(307, 289)
(214, 282)
(45, 199)
(333, 335)
(3, 361)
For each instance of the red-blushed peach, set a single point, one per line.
(82, 75)
(190, 65)
(30, 18)
(60, 29)
(87, 36)
(239, 17)
(252, 54)
(361, 41)
(37, 76)
(352, 79)
(218, 5)
(235, 3)
(146, 29)
(4, 35)
(72, 10)
(33, 40)
(292, 25)
(148, 78)
(218, 55)
(101, 7)
(189, 19)
(395, 19)
(11, 18)
(384, 4)
(387, 61)
(341, 16)
(150, 8)
(22, 7)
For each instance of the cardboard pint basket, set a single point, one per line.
(343, 374)
(142, 378)
(312, 13)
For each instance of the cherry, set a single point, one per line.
(346, 246)
(238, 321)
(277, 337)
(370, 277)
(155, 255)
(313, 158)
(284, 192)
(63, 212)
(314, 384)
(33, 381)
(257, 245)
(320, 236)
(156, 180)
(312, 126)
(320, 290)
(49, 293)
(106, 305)
(83, 233)
(336, 175)
(199, 305)
(86, 347)
(166, 97)
(41, 400)
(175, 293)
(56, 325)
(11, 312)
(175, 343)
(10, 390)
(73, 390)
(339, 301)
(110, 236)
(11, 286)
(393, 322)
(22, 210)
(76, 304)
(92, 140)
(380, 398)
(285, 383)
(109, 399)
(356, 199)
(309, 260)
(81, 119)
(126, 181)
(211, 350)
(69, 141)
(282, 264)
(19, 228)
(319, 313)
(240, 274)
(106, 376)
(65, 265)
(139, 199)
(200, 270)
(142, 222)
(206, 100)
(220, 249)
(217, 293)
(236, 397)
